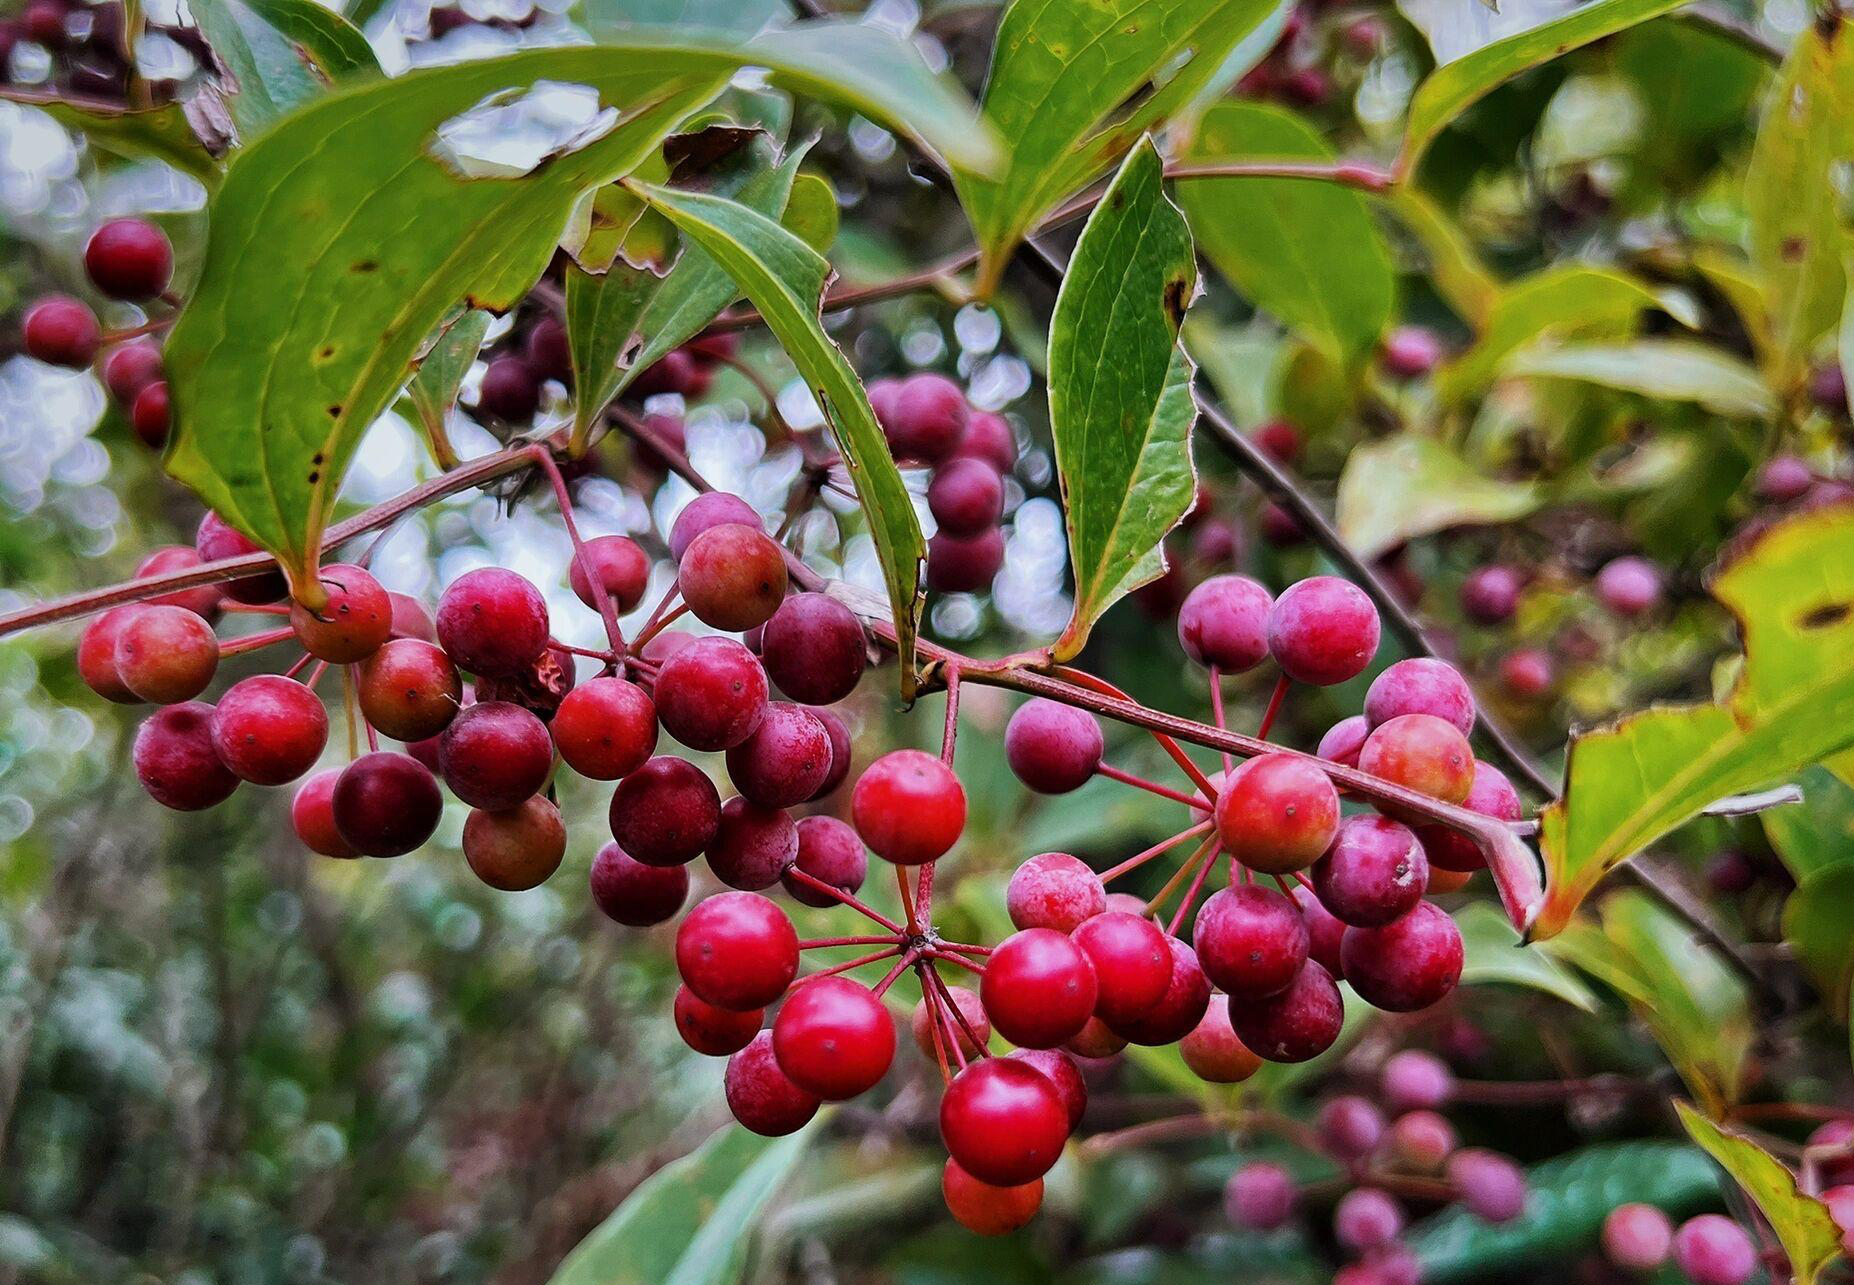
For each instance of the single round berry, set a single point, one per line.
(1003, 1121)
(966, 497)
(1713, 1250)
(1250, 940)
(710, 509)
(1527, 673)
(964, 564)
(925, 418)
(711, 1031)
(665, 812)
(1491, 794)
(1406, 965)
(1366, 1219)
(1039, 988)
(510, 391)
(1179, 1010)
(984, 1209)
(908, 807)
(492, 622)
(216, 540)
(737, 950)
(166, 654)
(829, 852)
(834, 1038)
(131, 368)
(1421, 685)
(1412, 351)
(386, 804)
(1062, 1072)
(129, 259)
(1277, 813)
(1490, 594)
(495, 754)
(1491, 1187)
(409, 689)
(312, 816)
(732, 576)
(1279, 527)
(548, 350)
(841, 756)
(201, 600)
(1296, 1024)
(1322, 631)
(814, 649)
(1260, 1196)
(1213, 1051)
(518, 848)
(1324, 932)
(1423, 753)
(149, 415)
(1054, 890)
(1374, 872)
(988, 437)
(786, 759)
(1422, 1140)
(96, 655)
(1224, 623)
(677, 372)
(1629, 586)
(1053, 748)
(1413, 1080)
(711, 695)
(1637, 1237)
(1132, 965)
(1350, 1127)
(1280, 440)
(606, 728)
(971, 1009)
(269, 729)
(1784, 478)
(761, 1096)
(634, 894)
(1343, 740)
(61, 331)
(175, 760)
(753, 846)
(1097, 1042)
(618, 563)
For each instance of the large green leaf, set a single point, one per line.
(1061, 72)
(1807, 1233)
(1453, 88)
(1120, 407)
(692, 1221)
(159, 133)
(335, 45)
(1309, 253)
(1666, 369)
(268, 77)
(1495, 955)
(785, 279)
(1793, 705)
(1400, 487)
(1792, 194)
(1815, 924)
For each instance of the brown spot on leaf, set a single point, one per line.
(1832, 613)
(315, 475)
(334, 412)
(1177, 299)
(328, 350)
(366, 265)
(1792, 248)
(318, 459)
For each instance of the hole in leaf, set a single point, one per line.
(516, 131)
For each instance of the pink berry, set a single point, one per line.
(1260, 1196)
(1491, 1186)
(1054, 890)
(61, 331)
(1323, 630)
(1374, 872)
(1413, 1080)
(1344, 739)
(830, 852)
(1053, 748)
(1713, 1250)
(1637, 1237)
(1250, 940)
(1224, 623)
(966, 497)
(1421, 685)
(1350, 1127)
(1490, 594)
(1629, 586)
(710, 509)
(1365, 1219)
(1406, 965)
(1412, 351)
(926, 418)
(964, 564)
(617, 563)
(753, 846)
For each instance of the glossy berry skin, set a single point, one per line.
(964, 564)
(495, 754)
(1098, 1042)
(834, 1038)
(1422, 753)
(1490, 594)
(1492, 1187)
(1277, 813)
(547, 350)
(175, 760)
(732, 576)
(1343, 740)
(988, 437)
(709, 509)
(966, 497)
(1491, 794)
(1296, 1024)
(1840, 1202)
(737, 950)
(841, 756)
(409, 689)
(518, 848)
(619, 564)
(761, 1095)
(606, 728)
(1053, 748)
(202, 600)
(711, 695)
(1003, 1121)
(1179, 1010)
(492, 622)
(814, 649)
(908, 807)
(1224, 624)
(510, 391)
(926, 418)
(1062, 1072)
(215, 540)
(129, 259)
(984, 1209)
(1366, 1219)
(312, 816)
(634, 894)
(1629, 586)
(1250, 940)
(1414, 1080)
(665, 812)
(269, 729)
(1374, 872)
(386, 804)
(830, 852)
(1406, 965)
(1323, 630)
(1350, 1127)
(1054, 890)
(96, 655)
(166, 654)
(1713, 1250)
(970, 1007)
(1260, 1196)
(1421, 685)
(1637, 1238)
(149, 415)
(1132, 965)
(131, 368)
(753, 846)
(786, 759)
(711, 1031)
(1213, 1051)
(61, 331)
(1039, 988)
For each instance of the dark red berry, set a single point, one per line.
(1280, 440)
(710, 509)
(834, 1038)
(958, 564)
(840, 750)
(386, 804)
(548, 351)
(510, 392)
(148, 416)
(201, 600)
(988, 437)
(217, 540)
(814, 649)
(1132, 965)
(711, 695)
(737, 950)
(176, 762)
(830, 852)
(1490, 594)
(1179, 1010)
(925, 418)
(712, 1031)
(634, 894)
(96, 655)
(1526, 673)
(492, 622)
(1344, 739)
(606, 728)
(61, 331)
(618, 564)
(269, 729)
(129, 259)
(410, 619)
(1324, 932)
(908, 807)
(1406, 965)
(1224, 623)
(1296, 1024)
(665, 812)
(1251, 941)
(409, 689)
(1053, 748)
(312, 816)
(753, 845)
(1323, 630)
(1277, 812)
(966, 497)
(786, 759)
(761, 1096)
(1003, 1121)
(1039, 988)
(1374, 872)
(494, 755)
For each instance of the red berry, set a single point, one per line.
(1212, 1049)
(1422, 1140)
(1259, 1196)
(1637, 1237)
(494, 755)
(732, 576)
(129, 259)
(1179, 1010)
(1491, 795)
(312, 816)
(908, 807)
(517, 848)
(1324, 933)
(988, 437)
(1003, 1121)
(840, 750)
(1490, 594)
(201, 600)
(676, 372)
(386, 804)
(1350, 1127)
(606, 729)
(1097, 1042)
(1063, 1074)
(966, 497)
(970, 1007)
(166, 654)
(830, 852)
(737, 950)
(1054, 890)
(1344, 739)
(409, 689)
(1296, 1024)
(1629, 586)
(96, 655)
(1224, 623)
(984, 1209)
(634, 894)
(1374, 872)
(1406, 965)
(1412, 351)
(1279, 440)
(1323, 630)
(964, 564)
(1250, 940)
(548, 351)
(1039, 988)
(269, 729)
(834, 1038)
(761, 1096)
(1493, 1189)
(148, 416)
(618, 564)
(1421, 752)
(1279, 527)
(1365, 1219)
(785, 761)
(1277, 813)
(710, 509)
(925, 418)
(217, 540)
(510, 391)
(61, 331)
(814, 649)
(492, 622)
(1526, 673)
(711, 695)
(1132, 964)
(175, 760)
(753, 845)
(410, 619)
(666, 812)
(1413, 1080)
(715, 1032)
(1834, 1143)
(1053, 748)
(1421, 685)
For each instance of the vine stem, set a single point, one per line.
(951, 735)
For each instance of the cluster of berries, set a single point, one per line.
(513, 380)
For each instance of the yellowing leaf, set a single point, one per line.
(1394, 490)
(1807, 1233)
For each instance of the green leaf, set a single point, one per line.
(1798, 237)
(269, 79)
(1809, 1237)
(1458, 85)
(1818, 833)
(1495, 955)
(1060, 75)
(1793, 705)
(1308, 252)
(690, 1223)
(160, 133)
(785, 279)
(1401, 487)
(1666, 369)
(1120, 407)
(335, 45)
(1455, 268)
(1815, 924)
(811, 211)
(433, 391)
